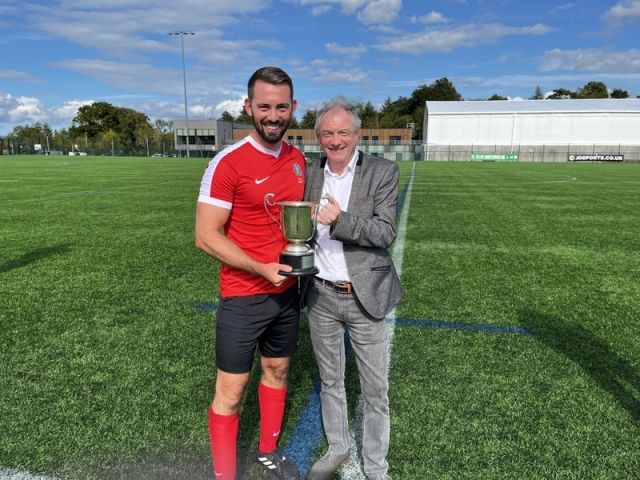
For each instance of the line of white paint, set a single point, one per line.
(353, 469)
(564, 179)
(9, 474)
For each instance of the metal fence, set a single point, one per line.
(147, 147)
(395, 150)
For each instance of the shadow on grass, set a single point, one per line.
(34, 256)
(611, 372)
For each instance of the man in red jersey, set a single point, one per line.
(258, 308)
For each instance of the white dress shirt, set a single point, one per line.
(329, 253)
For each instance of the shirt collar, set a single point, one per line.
(260, 148)
(350, 168)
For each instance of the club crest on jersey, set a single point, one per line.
(297, 170)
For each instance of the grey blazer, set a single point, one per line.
(367, 227)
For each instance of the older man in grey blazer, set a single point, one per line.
(357, 284)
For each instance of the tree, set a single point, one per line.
(108, 142)
(97, 118)
(26, 137)
(368, 115)
(309, 119)
(61, 141)
(243, 117)
(495, 96)
(440, 90)
(132, 127)
(537, 94)
(593, 90)
(162, 126)
(226, 117)
(395, 114)
(561, 94)
(618, 93)
(94, 119)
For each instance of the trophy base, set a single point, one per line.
(302, 264)
(300, 273)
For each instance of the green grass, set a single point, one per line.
(107, 364)
(554, 248)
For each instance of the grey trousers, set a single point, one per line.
(330, 313)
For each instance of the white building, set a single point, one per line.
(551, 130)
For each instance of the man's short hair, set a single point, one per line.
(339, 102)
(271, 75)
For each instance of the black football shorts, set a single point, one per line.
(267, 321)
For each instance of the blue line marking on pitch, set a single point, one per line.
(434, 324)
(207, 306)
(478, 327)
(307, 433)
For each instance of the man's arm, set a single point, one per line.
(210, 239)
(377, 229)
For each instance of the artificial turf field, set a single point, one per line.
(516, 352)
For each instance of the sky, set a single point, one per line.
(58, 55)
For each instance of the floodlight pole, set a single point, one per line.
(184, 84)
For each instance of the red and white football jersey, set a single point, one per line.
(238, 179)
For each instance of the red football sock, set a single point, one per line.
(271, 413)
(223, 432)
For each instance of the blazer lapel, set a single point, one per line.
(357, 181)
(317, 181)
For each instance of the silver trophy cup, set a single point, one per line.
(298, 222)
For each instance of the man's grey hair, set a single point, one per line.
(339, 102)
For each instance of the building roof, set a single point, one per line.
(534, 106)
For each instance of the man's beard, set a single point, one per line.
(268, 136)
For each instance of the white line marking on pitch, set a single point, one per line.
(9, 474)
(353, 469)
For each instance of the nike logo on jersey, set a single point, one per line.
(277, 433)
(258, 182)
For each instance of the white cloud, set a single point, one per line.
(592, 59)
(563, 7)
(431, 18)
(567, 80)
(380, 12)
(18, 76)
(623, 11)
(24, 109)
(348, 51)
(320, 10)
(135, 26)
(129, 76)
(445, 40)
(18, 110)
(64, 114)
(332, 76)
(369, 12)
(348, 6)
(28, 107)
(28, 110)
(232, 106)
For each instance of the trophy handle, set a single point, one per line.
(268, 203)
(326, 196)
